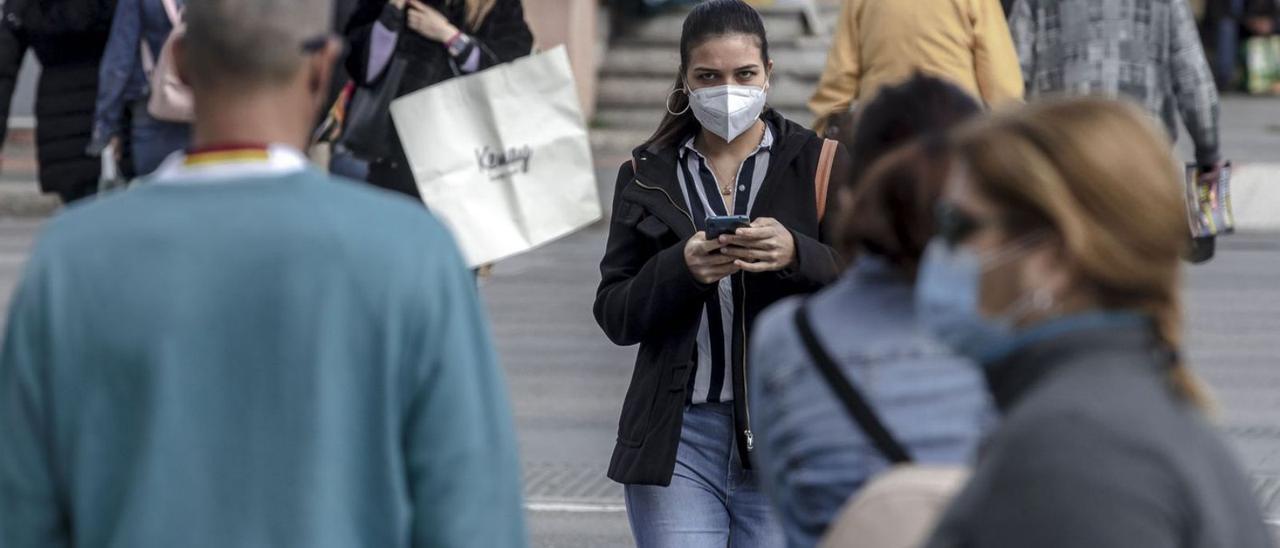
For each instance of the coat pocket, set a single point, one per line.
(655, 384)
(637, 408)
(654, 229)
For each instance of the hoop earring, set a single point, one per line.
(668, 103)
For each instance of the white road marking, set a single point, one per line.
(574, 507)
(1255, 196)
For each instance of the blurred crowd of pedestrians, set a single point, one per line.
(244, 350)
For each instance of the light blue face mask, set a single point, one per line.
(948, 290)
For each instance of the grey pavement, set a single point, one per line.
(1249, 130)
(567, 381)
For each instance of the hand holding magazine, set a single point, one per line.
(1209, 202)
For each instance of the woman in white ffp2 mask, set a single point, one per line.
(689, 296)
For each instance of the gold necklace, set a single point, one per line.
(727, 191)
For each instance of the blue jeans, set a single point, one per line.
(154, 140)
(345, 164)
(711, 502)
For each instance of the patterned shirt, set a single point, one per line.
(712, 379)
(1146, 50)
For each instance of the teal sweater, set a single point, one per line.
(290, 361)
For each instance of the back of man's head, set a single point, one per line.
(250, 43)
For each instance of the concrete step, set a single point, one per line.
(782, 24)
(651, 93)
(612, 146)
(25, 200)
(800, 63)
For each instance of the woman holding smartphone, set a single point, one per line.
(684, 439)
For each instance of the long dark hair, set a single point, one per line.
(892, 210)
(710, 19)
(901, 113)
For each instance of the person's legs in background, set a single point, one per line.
(1227, 45)
(393, 173)
(154, 140)
(73, 194)
(345, 164)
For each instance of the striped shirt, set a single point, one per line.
(712, 378)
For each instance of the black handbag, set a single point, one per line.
(368, 130)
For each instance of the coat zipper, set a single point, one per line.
(746, 396)
(641, 184)
(742, 324)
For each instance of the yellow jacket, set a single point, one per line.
(882, 42)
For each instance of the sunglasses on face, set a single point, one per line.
(955, 225)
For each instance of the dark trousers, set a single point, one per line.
(393, 173)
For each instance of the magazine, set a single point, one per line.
(1209, 203)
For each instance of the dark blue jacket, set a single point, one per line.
(122, 78)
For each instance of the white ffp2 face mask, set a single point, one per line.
(728, 111)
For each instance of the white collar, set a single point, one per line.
(280, 160)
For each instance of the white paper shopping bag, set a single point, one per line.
(502, 156)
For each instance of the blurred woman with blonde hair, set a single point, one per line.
(1056, 267)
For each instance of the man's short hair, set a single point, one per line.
(251, 41)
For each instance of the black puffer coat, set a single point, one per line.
(67, 37)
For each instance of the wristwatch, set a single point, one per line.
(458, 44)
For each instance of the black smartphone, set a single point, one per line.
(718, 226)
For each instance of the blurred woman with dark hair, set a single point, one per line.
(812, 456)
(902, 112)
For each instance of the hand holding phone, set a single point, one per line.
(765, 246)
(705, 261)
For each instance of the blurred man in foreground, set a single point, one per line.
(242, 351)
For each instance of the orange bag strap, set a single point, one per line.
(822, 179)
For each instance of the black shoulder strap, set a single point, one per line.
(849, 395)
